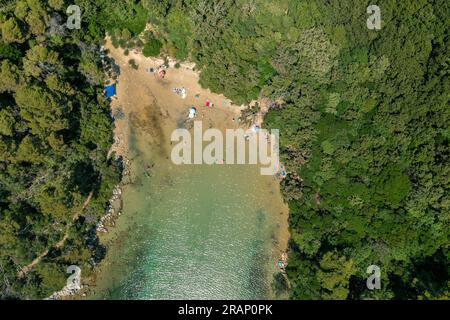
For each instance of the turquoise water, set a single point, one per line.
(193, 231)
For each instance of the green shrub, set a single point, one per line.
(133, 64)
(9, 51)
(122, 43)
(152, 48)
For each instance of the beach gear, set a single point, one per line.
(162, 73)
(283, 171)
(192, 112)
(110, 91)
(182, 91)
(256, 128)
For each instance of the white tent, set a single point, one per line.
(192, 112)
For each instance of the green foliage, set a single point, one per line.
(9, 51)
(179, 27)
(51, 278)
(123, 15)
(56, 4)
(334, 276)
(6, 122)
(133, 64)
(370, 149)
(52, 123)
(9, 76)
(12, 31)
(152, 48)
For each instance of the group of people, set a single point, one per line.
(181, 91)
(160, 71)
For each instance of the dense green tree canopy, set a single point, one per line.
(55, 132)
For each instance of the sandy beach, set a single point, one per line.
(139, 92)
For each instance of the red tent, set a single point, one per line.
(162, 73)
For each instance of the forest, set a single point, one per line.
(55, 134)
(363, 117)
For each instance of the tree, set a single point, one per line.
(44, 89)
(9, 51)
(9, 77)
(56, 4)
(12, 31)
(152, 48)
(40, 61)
(6, 122)
(334, 275)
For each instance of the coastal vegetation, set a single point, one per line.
(55, 134)
(363, 118)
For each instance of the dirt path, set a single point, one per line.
(22, 272)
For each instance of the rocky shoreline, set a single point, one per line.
(108, 220)
(112, 213)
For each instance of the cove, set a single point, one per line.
(186, 231)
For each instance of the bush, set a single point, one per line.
(123, 43)
(115, 42)
(9, 51)
(139, 43)
(152, 48)
(133, 64)
(126, 34)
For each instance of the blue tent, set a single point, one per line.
(110, 91)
